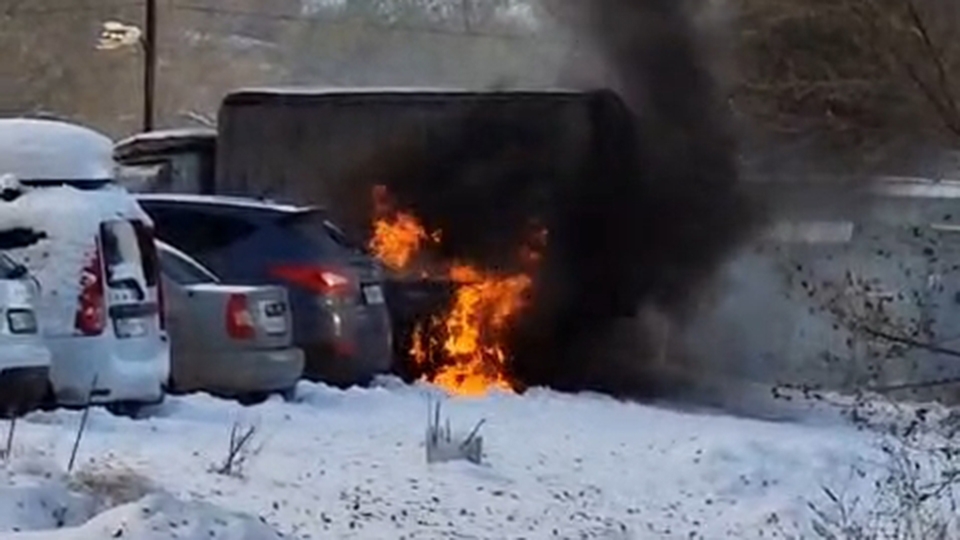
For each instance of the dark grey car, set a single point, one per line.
(340, 319)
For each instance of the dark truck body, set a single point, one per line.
(329, 147)
(482, 166)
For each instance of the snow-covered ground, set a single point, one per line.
(350, 464)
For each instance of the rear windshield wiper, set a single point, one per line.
(20, 237)
(319, 218)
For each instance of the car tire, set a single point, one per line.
(289, 395)
(133, 410)
(126, 409)
(253, 398)
(172, 389)
(22, 390)
(49, 402)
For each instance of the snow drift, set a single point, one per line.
(351, 464)
(37, 501)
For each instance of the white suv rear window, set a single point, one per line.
(127, 258)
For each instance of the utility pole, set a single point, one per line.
(149, 64)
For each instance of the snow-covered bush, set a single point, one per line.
(443, 444)
(916, 484)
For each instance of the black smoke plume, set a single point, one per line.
(684, 214)
(692, 210)
(689, 211)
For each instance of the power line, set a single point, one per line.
(286, 17)
(237, 12)
(15, 11)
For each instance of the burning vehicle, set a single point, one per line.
(500, 217)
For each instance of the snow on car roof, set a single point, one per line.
(917, 187)
(228, 200)
(33, 149)
(169, 134)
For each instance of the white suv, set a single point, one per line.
(91, 248)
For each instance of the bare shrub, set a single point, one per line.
(855, 74)
(240, 450)
(915, 489)
(7, 451)
(83, 424)
(442, 444)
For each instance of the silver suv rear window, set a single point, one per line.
(183, 271)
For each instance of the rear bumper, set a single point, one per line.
(24, 354)
(78, 361)
(346, 346)
(327, 363)
(241, 372)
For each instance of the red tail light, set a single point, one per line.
(90, 319)
(314, 278)
(239, 319)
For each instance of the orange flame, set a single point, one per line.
(397, 236)
(462, 350)
(397, 239)
(471, 334)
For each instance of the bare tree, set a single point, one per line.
(208, 47)
(50, 63)
(860, 72)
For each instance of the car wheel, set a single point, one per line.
(126, 409)
(253, 398)
(289, 395)
(172, 388)
(49, 402)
